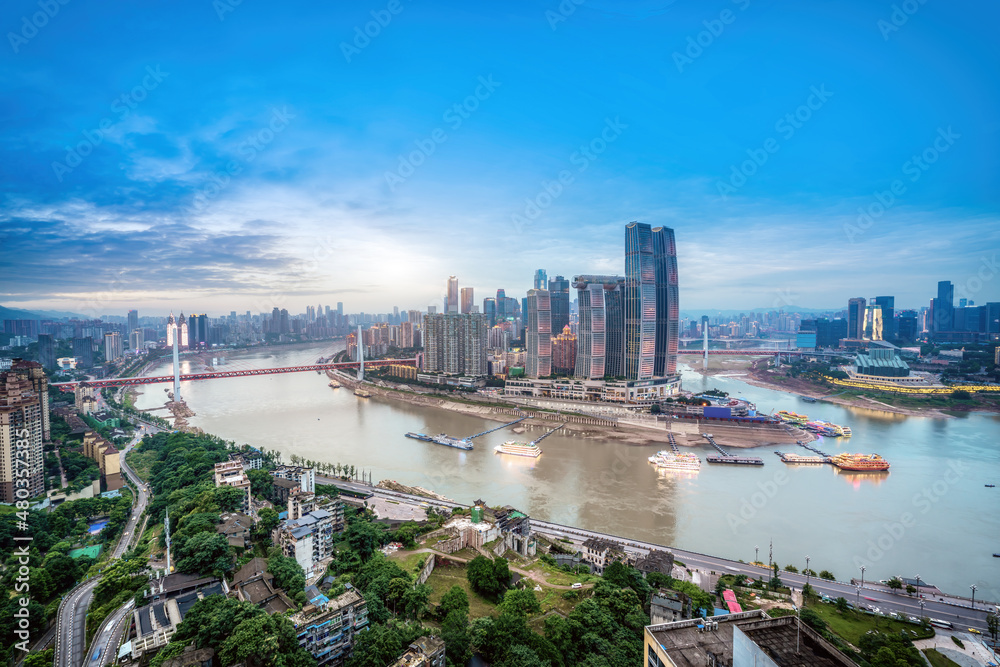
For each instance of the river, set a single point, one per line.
(931, 515)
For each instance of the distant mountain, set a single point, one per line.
(20, 314)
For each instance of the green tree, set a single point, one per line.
(416, 600)
(365, 537)
(455, 633)
(261, 482)
(842, 605)
(520, 601)
(205, 553)
(40, 659)
(791, 568)
(992, 623)
(265, 640)
(895, 584)
(379, 646)
(488, 577)
(230, 498)
(826, 574)
(455, 599)
(288, 574)
(267, 521)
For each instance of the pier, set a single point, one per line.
(812, 449)
(545, 435)
(502, 426)
(726, 457)
(673, 443)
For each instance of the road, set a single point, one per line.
(943, 607)
(72, 618)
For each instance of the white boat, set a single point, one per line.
(665, 460)
(515, 448)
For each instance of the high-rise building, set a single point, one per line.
(541, 279)
(21, 437)
(83, 351)
(47, 351)
(614, 306)
(183, 338)
(559, 300)
(564, 352)
(467, 297)
(35, 374)
(667, 303)
(340, 308)
(136, 340)
(888, 305)
(908, 326)
(490, 310)
(451, 295)
(455, 343)
(592, 329)
(133, 320)
(873, 322)
(112, 345)
(538, 334)
(943, 308)
(856, 318)
(640, 302)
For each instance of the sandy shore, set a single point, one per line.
(686, 433)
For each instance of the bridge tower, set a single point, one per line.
(177, 373)
(361, 356)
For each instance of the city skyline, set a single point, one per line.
(324, 204)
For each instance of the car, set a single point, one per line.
(974, 631)
(577, 585)
(913, 619)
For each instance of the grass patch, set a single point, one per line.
(409, 560)
(853, 625)
(141, 462)
(557, 577)
(938, 660)
(446, 576)
(958, 642)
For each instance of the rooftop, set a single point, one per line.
(790, 643)
(688, 644)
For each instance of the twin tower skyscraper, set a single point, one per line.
(628, 325)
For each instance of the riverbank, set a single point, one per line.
(632, 433)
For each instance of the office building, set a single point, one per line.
(133, 320)
(47, 351)
(873, 322)
(21, 437)
(451, 295)
(83, 351)
(541, 279)
(856, 318)
(559, 303)
(594, 347)
(490, 311)
(640, 302)
(943, 308)
(136, 340)
(96, 448)
(455, 343)
(908, 327)
(888, 306)
(112, 345)
(538, 334)
(564, 352)
(667, 302)
(466, 296)
(35, 374)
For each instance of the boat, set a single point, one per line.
(809, 399)
(665, 460)
(334, 384)
(442, 439)
(990, 486)
(791, 417)
(860, 462)
(845, 431)
(362, 393)
(516, 448)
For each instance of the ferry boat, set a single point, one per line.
(792, 417)
(442, 439)
(664, 460)
(362, 393)
(860, 462)
(516, 448)
(334, 384)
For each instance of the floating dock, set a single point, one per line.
(795, 459)
(726, 457)
(545, 435)
(442, 439)
(498, 428)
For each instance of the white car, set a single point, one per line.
(577, 585)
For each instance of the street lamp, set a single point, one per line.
(755, 550)
(858, 606)
(973, 587)
(921, 609)
(807, 570)
(862, 576)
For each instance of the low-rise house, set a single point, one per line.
(668, 606)
(231, 473)
(656, 561)
(304, 477)
(601, 553)
(236, 527)
(253, 583)
(424, 652)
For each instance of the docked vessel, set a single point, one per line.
(442, 439)
(665, 460)
(334, 384)
(515, 448)
(363, 393)
(792, 417)
(860, 462)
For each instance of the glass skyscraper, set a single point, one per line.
(640, 302)
(600, 331)
(559, 298)
(538, 334)
(667, 305)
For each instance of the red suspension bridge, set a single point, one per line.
(132, 381)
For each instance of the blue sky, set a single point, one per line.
(214, 156)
